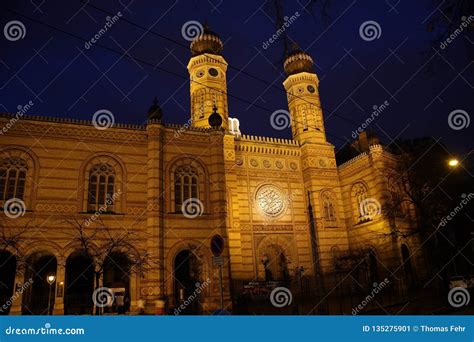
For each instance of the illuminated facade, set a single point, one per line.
(284, 208)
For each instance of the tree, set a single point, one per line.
(448, 16)
(98, 242)
(425, 183)
(276, 10)
(13, 237)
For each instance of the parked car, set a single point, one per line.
(458, 281)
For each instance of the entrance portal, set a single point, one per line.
(79, 285)
(35, 300)
(186, 276)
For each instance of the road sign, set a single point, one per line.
(218, 261)
(217, 245)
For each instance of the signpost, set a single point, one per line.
(217, 247)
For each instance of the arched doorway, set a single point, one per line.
(35, 299)
(408, 267)
(275, 263)
(187, 272)
(7, 280)
(117, 278)
(79, 285)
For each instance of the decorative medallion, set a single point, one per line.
(279, 164)
(239, 161)
(200, 73)
(270, 200)
(322, 163)
(293, 166)
(300, 90)
(266, 164)
(311, 89)
(254, 162)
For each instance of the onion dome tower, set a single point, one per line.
(304, 104)
(207, 42)
(298, 61)
(208, 85)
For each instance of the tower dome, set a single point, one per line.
(207, 42)
(298, 61)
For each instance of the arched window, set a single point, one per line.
(329, 211)
(304, 117)
(199, 100)
(101, 190)
(186, 185)
(359, 196)
(12, 178)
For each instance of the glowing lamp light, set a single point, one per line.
(453, 162)
(51, 278)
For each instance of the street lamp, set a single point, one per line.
(299, 273)
(453, 162)
(50, 279)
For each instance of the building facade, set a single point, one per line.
(288, 214)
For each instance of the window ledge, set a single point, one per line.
(92, 212)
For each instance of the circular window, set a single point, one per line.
(270, 200)
(213, 72)
(311, 89)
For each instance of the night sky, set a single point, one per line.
(422, 84)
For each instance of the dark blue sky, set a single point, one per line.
(49, 68)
